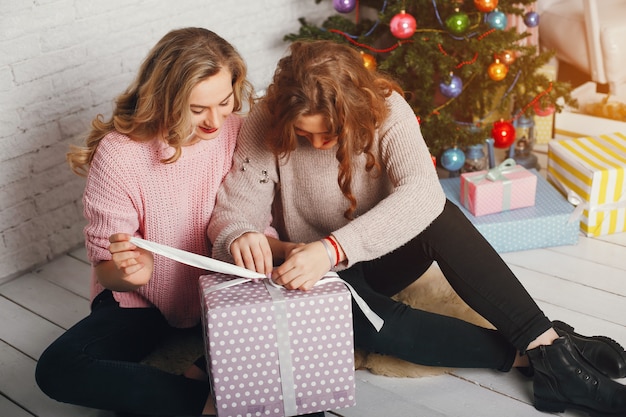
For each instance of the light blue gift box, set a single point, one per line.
(548, 223)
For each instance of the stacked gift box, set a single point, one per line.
(274, 352)
(547, 222)
(506, 187)
(590, 172)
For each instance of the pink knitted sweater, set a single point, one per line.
(130, 190)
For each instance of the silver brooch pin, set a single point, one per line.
(243, 166)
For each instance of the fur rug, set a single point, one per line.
(430, 292)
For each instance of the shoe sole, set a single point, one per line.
(549, 406)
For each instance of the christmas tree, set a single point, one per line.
(466, 75)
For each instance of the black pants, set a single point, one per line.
(477, 274)
(95, 364)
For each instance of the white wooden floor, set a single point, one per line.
(584, 285)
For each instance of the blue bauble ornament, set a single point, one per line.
(344, 6)
(531, 19)
(452, 159)
(497, 20)
(453, 88)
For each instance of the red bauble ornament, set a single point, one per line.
(503, 134)
(402, 25)
(497, 71)
(485, 6)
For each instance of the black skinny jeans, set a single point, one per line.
(95, 364)
(477, 274)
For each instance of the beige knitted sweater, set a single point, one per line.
(392, 207)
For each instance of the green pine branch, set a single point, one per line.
(429, 57)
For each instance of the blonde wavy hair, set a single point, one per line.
(329, 79)
(157, 102)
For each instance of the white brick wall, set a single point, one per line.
(64, 61)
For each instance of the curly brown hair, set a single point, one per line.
(157, 102)
(329, 79)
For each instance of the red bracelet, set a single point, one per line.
(332, 242)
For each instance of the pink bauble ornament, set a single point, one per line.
(402, 25)
(543, 111)
(344, 6)
(503, 134)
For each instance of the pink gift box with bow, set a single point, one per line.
(505, 187)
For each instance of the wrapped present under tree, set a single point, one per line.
(274, 352)
(590, 172)
(548, 223)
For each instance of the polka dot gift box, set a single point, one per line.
(273, 352)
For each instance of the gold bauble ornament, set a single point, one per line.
(497, 71)
(369, 61)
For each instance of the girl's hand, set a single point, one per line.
(130, 267)
(252, 251)
(125, 255)
(304, 266)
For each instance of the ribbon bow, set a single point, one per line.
(497, 173)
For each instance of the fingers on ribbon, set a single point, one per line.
(259, 259)
(236, 254)
(119, 237)
(123, 247)
(247, 259)
(291, 277)
(125, 259)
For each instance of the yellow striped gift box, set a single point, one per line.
(590, 172)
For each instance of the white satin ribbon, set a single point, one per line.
(193, 259)
(283, 343)
(582, 205)
(246, 275)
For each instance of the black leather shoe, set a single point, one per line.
(604, 353)
(565, 380)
